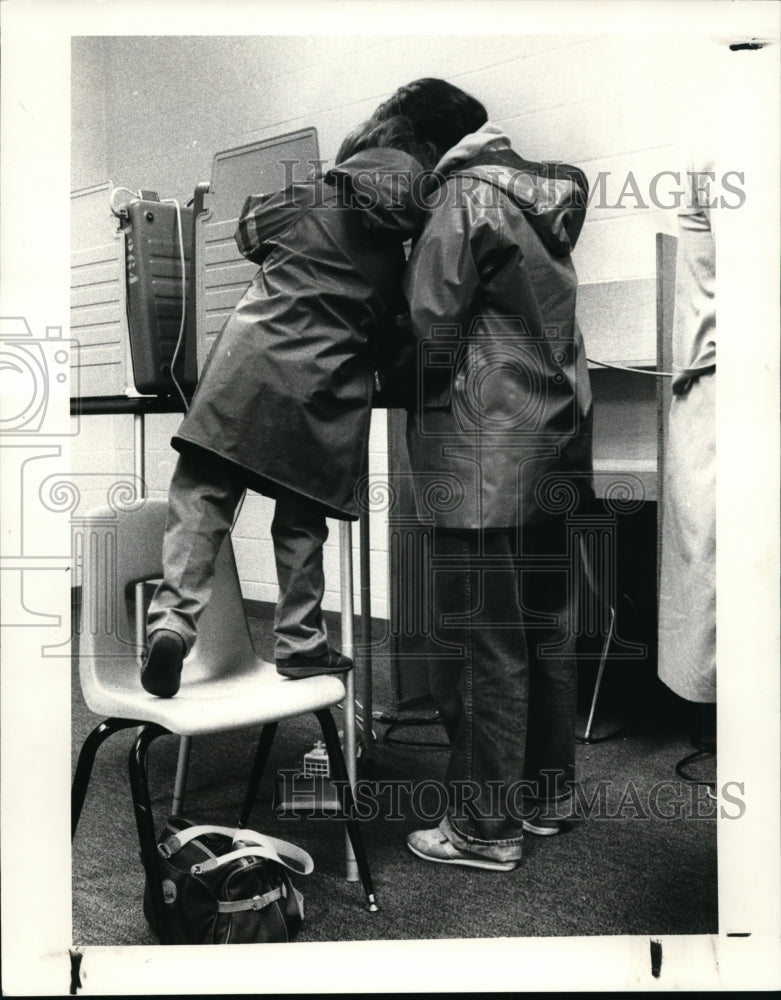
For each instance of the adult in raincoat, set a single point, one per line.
(687, 600)
(283, 404)
(500, 449)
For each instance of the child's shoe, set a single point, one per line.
(162, 669)
(299, 666)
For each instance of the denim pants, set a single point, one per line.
(202, 501)
(507, 702)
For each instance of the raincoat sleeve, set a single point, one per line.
(694, 331)
(443, 286)
(248, 234)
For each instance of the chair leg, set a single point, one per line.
(267, 734)
(83, 773)
(600, 672)
(339, 773)
(147, 838)
(180, 782)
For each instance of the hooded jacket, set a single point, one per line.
(500, 434)
(286, 392)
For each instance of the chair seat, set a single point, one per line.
(252, 695)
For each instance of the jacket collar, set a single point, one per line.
(552, 196)
(488, 138)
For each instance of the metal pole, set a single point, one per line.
(180, 782)
(139, 468)
(366, 626)
(346, 580)
(600, 672)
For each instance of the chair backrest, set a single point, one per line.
(121, 548)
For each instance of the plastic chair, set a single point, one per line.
(225, 685)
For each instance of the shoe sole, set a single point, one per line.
(542, 831)
(299, 673)
(161, 672)
(484, 863)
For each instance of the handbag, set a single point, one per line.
(225, 885)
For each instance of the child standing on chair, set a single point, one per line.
(284, 402)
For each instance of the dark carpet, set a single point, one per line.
(643, 862)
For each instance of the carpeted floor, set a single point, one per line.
(644, 863)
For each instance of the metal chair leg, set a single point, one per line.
(267, 734)
(89, 749)
(347, 605)
(600, 672)
(347, 807)
(147, 837)
(180, 782)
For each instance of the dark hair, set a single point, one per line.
(439, 112)
(395, 132)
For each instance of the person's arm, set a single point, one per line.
(444, 285)
(694, 331)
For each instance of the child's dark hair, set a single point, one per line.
(438, 111)
(395, 132)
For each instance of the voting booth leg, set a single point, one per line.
(348, 648)
(139, 469)
(367, 707)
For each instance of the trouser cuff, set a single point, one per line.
(510, 849)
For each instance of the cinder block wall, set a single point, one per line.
(151, 111)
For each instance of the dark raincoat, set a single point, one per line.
(286, 392)
(501, 434)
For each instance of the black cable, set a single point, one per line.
(397, 723)
(703, 749)
(417, 744)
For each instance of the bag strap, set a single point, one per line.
(285, 852)
(173, 844)
(303, 863)
(292, 857)
(255, 903)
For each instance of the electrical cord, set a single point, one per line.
(117, 211)
(417, 744)
(394, 722)
(358, 716)
(703, 750)
(182, 323)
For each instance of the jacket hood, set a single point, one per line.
(381, 184)
(552, 196)
(384, 185)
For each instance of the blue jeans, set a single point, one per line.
(508, 704)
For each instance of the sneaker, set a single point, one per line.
(162, 669)
(433, 845)
(545, 827)
(299, 666)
